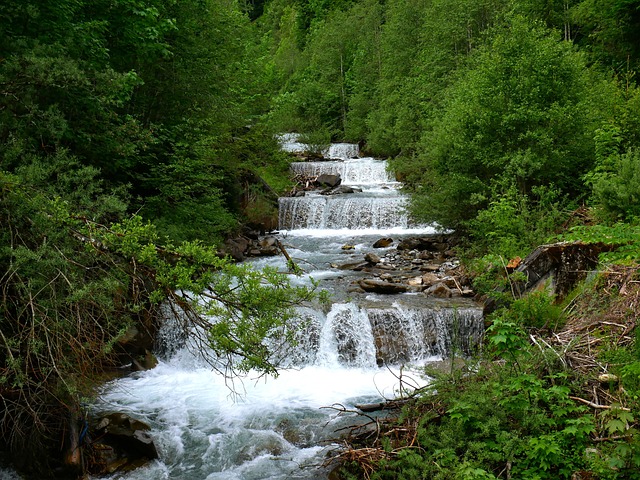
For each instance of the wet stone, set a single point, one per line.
(439, 290)
(383, 243)
(430, 268)
(372, 258)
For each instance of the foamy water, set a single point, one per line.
(208, 428)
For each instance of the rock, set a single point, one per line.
(269, 251)
(429, 279)
(449, 282)
(124, 443)
(235, 248)
(268, 242)
(434, 243)
(414, 281)
(559, 266)
(383, 243)
(372, 258)
(355, 289)
(430, 268)
(425, 255)
(408, 244)
(147, 362)
(135, 342)
(341, 189)
(329, 180)
(129, 335)
(348, 247)
(385, 266)
(352, 266)
(607, 378)
(439, 290)
(380, 286)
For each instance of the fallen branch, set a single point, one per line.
(597, 406)
(612, 438)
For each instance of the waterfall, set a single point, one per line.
(362, 171)
(276, 428)
(340, 212)
(291, 142)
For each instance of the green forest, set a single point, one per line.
(137, 135)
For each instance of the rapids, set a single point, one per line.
(283, 428)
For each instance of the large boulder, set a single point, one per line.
(122, 443)
(556, 267)
(329, 180)
(559, 266)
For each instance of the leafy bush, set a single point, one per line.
(616, 185)
(512, 224)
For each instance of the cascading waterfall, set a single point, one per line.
(277, 428)
(343, 212)
(376, 205)
(362, 171)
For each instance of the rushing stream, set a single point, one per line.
(278, 428)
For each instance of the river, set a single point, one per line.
(284, 427)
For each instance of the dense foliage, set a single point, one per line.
(131, 133)
(127, 135)
(481, 105)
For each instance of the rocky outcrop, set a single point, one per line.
(558, 267)
(122, 443)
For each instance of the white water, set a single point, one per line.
(361, 171)
(280, 428)
(290, 142)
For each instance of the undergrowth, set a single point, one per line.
(533, 405)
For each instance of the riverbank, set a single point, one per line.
(553, 395)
